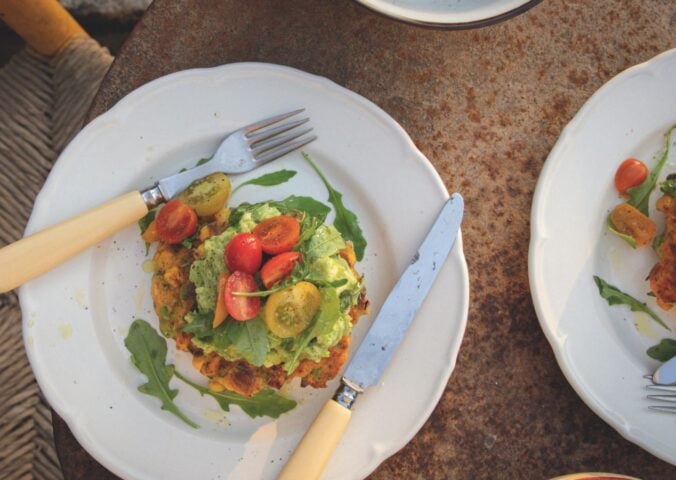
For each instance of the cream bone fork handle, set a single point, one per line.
(241, 151)
(371, 358)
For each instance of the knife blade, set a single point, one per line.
(376, 350)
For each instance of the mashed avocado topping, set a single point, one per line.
(322, 265)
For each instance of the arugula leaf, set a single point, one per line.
(201, 161)
(669, 185)
(148, 353)
(639, 196)
(328, 311)
(657, 242)
(663, 351)
(264, 403)
(309, 205)
(627, 238)
(268, 180)
(200, 324)
(145, 222)
(250, 338)
(346, 221)
(290, 205)
(616, 297)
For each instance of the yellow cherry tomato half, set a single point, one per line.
(207, 195)
(290, 311)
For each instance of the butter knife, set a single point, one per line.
(373, 355)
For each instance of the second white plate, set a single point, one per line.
(601, 349)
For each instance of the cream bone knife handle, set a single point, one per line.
(317, 445)
(33, 255)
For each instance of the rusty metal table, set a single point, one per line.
(485, 106)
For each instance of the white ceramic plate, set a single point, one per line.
(601, 349)
(76, 316)
(450, 13)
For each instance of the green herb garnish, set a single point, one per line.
(615, 296)
(264, 403)
(250, 338)
(145, 222)
(663, 351)
(268, 180)
(201, 161)
(346, 221)
(669, 185)
(328, 311)
(148, 353)
(627, 238)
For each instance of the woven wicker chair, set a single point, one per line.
(45, 91)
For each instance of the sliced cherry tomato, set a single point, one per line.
(175, 222)
(631, 173)
(207, 195)
(290, 311)
(278, 234)
(244, 253)
(239, 307)
(279, 267)
(221, 311)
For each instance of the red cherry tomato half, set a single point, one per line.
(278, 234)
(631, 173)
(239, 307)
(244, 253)
(175, 222)
(279, 267)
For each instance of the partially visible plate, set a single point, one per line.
(450, 13)
(602, 349)
(77, 316)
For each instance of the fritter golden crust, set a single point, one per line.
(173, 296)
(631, 221)
(170, 288)
(663, 274)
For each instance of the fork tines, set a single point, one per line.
(665, 397)
(268, 143)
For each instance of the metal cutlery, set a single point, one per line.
(373, 355)
(664, 384)
(242, 150)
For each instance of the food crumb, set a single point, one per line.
(66, 331)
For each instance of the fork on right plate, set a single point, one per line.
(664, 384)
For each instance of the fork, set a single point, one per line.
(241, 151)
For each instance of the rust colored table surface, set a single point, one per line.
(485, 106)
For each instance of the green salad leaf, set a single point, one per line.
(669, 185)
(307, 205)
(250, 338)
(145, 222)
(627, 238)
(328, 311)
(268, 180)
(346, 221)
(639, 196)
(657, 242)
(663, 351)
(199, 324)
(615, 296)
(264, 403)
(199, 162)
(148, 353)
